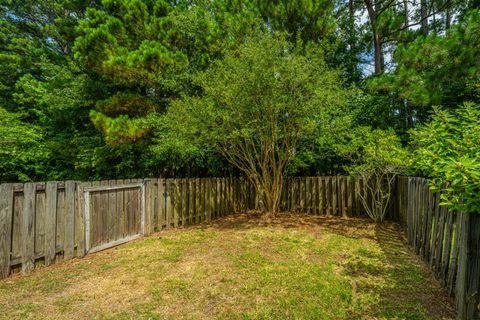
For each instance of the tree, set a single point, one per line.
(22, 149)
(447, 150)
(94, 77)
(433, 65)
(125, 44)
(42, 88)
(311, 20)
(378, 157)
(34, 32)
(391, 22)
(146, 53)
(259, 102)
(141, 55)
(438, 70)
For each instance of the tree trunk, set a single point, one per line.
(378, 47)
(424, 17)
(409, 109)
(377, 37)
(447, 19)
(351, 11)
(405, 12)
(268, 194)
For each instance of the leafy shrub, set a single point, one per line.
(258, 103)
(378, 157)
(447, 149)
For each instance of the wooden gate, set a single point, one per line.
(113, 215)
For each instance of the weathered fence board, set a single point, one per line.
(448, 241)
(27, 235)
(69, 240)
(50, 223)
(322, 195)
(6, 213)
(161, 204)
(467, 288)
(80, 219)
(168, 205)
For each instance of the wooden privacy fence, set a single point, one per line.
(448, 241)
(41, 223)
(431, 228)
(330, 195)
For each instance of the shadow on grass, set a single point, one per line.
(347, 227)
(386, 276)
(313, 266)
(410, 290)
(388, 280)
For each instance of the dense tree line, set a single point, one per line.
(90, 89)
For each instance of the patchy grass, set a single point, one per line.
(293, 266)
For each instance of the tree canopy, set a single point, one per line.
(258, 103)
(92, 89)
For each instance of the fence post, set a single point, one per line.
(149, 206)
(6, 212)
(208, 207)
(28, 260)
(468, 279)
(80, 220)
(169, 192)
(161, 204)
(68, 248)
(50, 221)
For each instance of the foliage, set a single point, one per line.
(378, 157)
(447, 150)
(318, 152)
(34, 32)
(146, 52)
(145, 55)
(438, 70)
(22, 151)
(259, 102)
(95, 77)
(124, 43)
(311, 20)
(180, 151)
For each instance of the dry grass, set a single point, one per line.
(245, 266)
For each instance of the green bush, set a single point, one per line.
(378, 157)
(257, 105)
(447, 149)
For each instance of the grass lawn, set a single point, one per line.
(293, 266)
